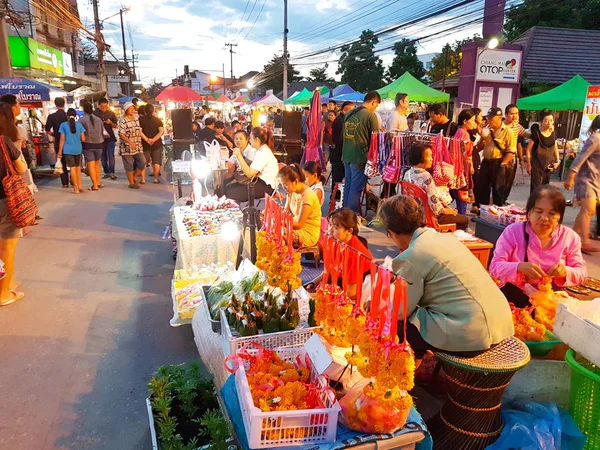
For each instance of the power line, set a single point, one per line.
(241, 20)
(255, 20)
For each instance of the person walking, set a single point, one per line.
(337, 136)
(512, 121)
(327, 137)
(499, 149)
(359, 124)
(93, 145)
(584, 178)
(542, 151)
(439, 122)
(130, 146)
(72, 136)
(109, 119)
(152, 130)
(398, 120)
(9, 233)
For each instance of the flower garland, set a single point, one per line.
(333, 311)
(281, 266)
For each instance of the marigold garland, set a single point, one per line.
(272, 256)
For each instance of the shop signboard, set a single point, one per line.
(27, 52)
(27, 91)
(590, 111)
(486, 96)
(501, 66)
(118, 78)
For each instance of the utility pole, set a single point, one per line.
(125, 49)
(133, 65)
(285, 53)
(100, 46)
(231, 52)
(223, 78)
(5, 61)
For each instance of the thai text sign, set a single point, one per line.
(27, 52)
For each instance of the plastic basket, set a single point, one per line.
(585, 397)
(282, 339)
(214, 324)
(287, 428)
(542, 348)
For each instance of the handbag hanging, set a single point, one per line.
(19, 199)
(391, 172)
(443, 171)
(371, 165)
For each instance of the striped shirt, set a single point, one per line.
(517, 130)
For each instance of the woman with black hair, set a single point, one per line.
(72, 136)
(303, 204)
(541, 247)
(453, 304)
(542, 151)
(94, 142)
(585, 178)
(420, 157)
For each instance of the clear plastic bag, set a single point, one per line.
(373, 415)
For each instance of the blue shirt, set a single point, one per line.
(72, 140)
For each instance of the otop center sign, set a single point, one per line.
(28, 52)
(501, 66)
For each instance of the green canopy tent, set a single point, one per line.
(301, 99)
(417, 91)
(569, 96)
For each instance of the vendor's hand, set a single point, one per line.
(531, 271)
(450, 211)
(558, 271)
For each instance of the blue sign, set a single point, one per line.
(27, 91)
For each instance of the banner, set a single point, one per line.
(590, 111)
(27, 52)
(27, 91)
(502, 66)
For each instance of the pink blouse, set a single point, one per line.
(565, 248)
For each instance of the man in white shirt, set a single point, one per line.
(397, 121)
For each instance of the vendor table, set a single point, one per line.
(481, 249)
(210, 348)
(488, 230)
(199, 250)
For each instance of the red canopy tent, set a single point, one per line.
(179, 94)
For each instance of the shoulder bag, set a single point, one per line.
(19, 199)
(372, 157)
(443, 170)
(391, 172)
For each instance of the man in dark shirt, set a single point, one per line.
(207, 134)
(52, 125)
(337, 134)
(222, 138)
(439, 121)
(108, 150)
(153, 129)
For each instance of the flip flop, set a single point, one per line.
(16, 297)
(156, 182)
(588, 250)
(100, 186)
(142, 182)
(92, 189)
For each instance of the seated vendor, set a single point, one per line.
(541, 247)
(242, 142)
(262, 170)
(453, 304)
(304, 205)
(420, 157)
(343, 226)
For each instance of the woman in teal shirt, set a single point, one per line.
(453, 304)
(72, 135)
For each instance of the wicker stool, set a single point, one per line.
(470, 417)
(315, 251)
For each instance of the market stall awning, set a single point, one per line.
(351, 97)
(223, 99)
(270, 100)
(303, 98)
(417, 91)
(569, 96)
(242, 99)
(26, 90)
(179, 94)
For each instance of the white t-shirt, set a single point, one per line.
(319, 187)
(397, 121)
(248, 153)
(266, 165)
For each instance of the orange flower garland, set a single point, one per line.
(333, 310)
(274, 258)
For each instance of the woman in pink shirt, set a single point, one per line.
(542, 246)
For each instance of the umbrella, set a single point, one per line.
(178, 94)
(312, 149)
(223, 99)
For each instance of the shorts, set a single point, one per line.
(154, 155)
(134, 162)
(8, 229)
(73, 160)
(92, 154)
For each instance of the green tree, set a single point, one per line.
(449, 59)
(359, 66)
(405, 60)
(320, 75)
(583, 14)
(272, 74)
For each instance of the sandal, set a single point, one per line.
(16, 297)
(133, 186)
(142, 182)
(156, 182)
(590, 249)
(92, 189)
(100, 186)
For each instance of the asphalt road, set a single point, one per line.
(77, 351)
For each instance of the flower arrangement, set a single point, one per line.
(333, 311)
(526, 328)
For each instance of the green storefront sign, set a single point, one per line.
(37, 56)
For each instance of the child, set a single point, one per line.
(312, 172)
(343, 226)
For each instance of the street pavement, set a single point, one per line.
(77, 351)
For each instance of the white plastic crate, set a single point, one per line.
(502, 218)
(287, 428)
(282, 339)
(578, 333)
